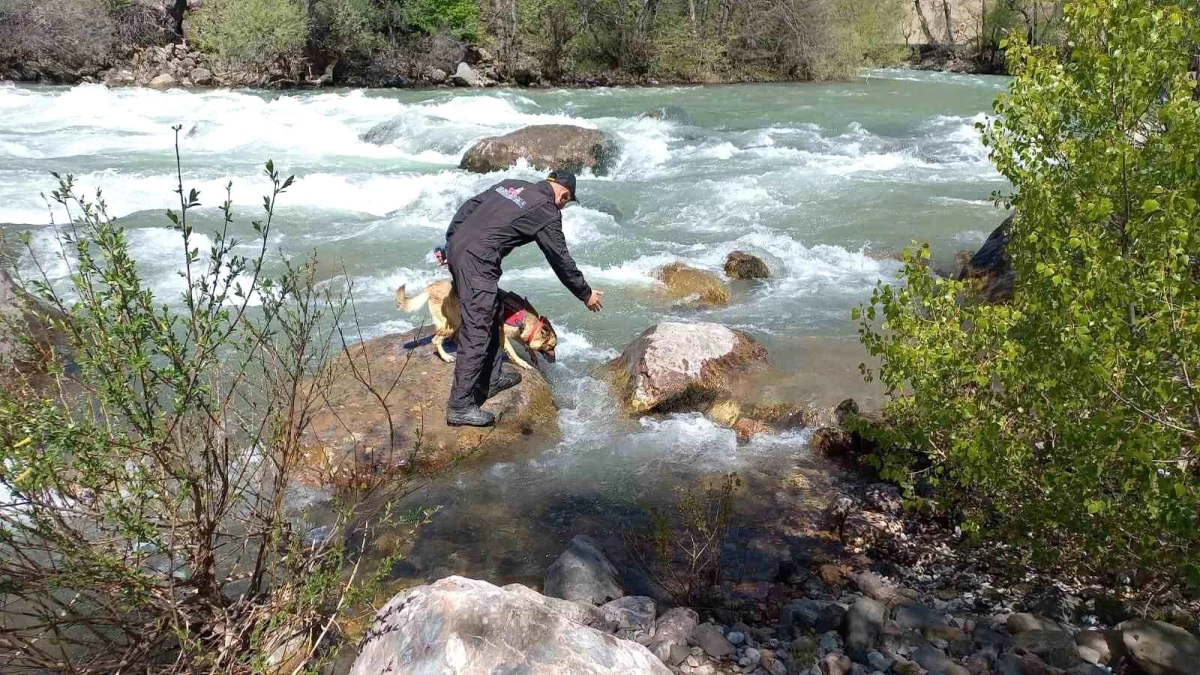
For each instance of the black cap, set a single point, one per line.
(565, 179)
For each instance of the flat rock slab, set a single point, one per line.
(352, 436)
(461, 626)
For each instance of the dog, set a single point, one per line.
(521, 322)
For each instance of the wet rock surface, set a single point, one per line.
(546, 147)
(353, 435)
(742, 265)
(583, 574)
(693, 288)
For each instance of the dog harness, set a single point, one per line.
(518, 317)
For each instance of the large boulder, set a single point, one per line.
(692, 287)
(353, 436)
(683, 366)
(671, 634)
(463, 626)
(992, 267)
(742, 265)
(583, 574)
(465, 76)
(1160, 648)
(546, 147)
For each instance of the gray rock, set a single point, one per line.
(436, 76)
(672, 630)
(201, 76)
(632, 614)
(1108, 645)
(811, 616)
(864, 622)
(753, 656)
(1023, 622)
(775, 666)
(884, 498)
(829, 642)
(915, 616)
(546, 147)
(735, 637)
(677, 654)
(437, 628)
(1088, 654)
(1161, 648)
(1009, 664)
(1086, 669)
(935, 661)
(710, 639)
(672, 364)
(876, 588)
(878, 661)
(1054, 647)
(583, 574)
(579, 612)
(163, 81)
(835, 664)
(464, 76)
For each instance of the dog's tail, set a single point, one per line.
(410, 304)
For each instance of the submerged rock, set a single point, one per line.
(682, 366)
(742, 265)
(462, 626)
(693, 287)
(669, 113)
(352, 436)
(546, 147)
(583, 574)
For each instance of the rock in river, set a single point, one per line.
(352, 435)
(742, 265)
(463, 626)
(692, 287)
(546, 147)
(683, 366)
(583, 574)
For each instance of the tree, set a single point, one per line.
(1068, 420)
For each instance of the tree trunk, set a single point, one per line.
(924, 23)
(949, 23)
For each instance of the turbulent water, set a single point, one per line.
(822, 181)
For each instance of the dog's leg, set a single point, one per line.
(438, 339)
(512, 353)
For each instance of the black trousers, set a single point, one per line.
(477, 361)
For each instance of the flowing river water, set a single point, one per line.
(820, 180)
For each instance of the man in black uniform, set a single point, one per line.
(485, 230)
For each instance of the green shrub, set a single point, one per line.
(348, 26)
(459, 18)
(1067, 421)
(250, 31)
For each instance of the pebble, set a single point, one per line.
(829, 642)
(736, 637)
(753, 656)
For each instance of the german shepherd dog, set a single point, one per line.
(521, 322)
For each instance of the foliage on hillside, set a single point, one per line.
(1067, 421)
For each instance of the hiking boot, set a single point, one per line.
(472, 416)
(504, 381)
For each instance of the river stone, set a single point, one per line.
(464, 76)
(464, 626)
(583, 574)
(1055, 647)
(935, 661)
(1161, 648)
(710, 639)
(201, 76)
(692, 287)
(632, 614)
(683, 366)
(863, 624)
(1108, 645)
(810, 616)
(546, 147)
(163, 81)
(672, 631)
(579, 612)
(351, 436)
(915, 616)
(742, 265)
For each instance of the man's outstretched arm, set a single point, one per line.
(554, 246)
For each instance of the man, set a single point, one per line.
(485, 230)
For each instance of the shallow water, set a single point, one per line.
(822, 181)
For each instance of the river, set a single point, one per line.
(821, 180)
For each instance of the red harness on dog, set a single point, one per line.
(518, 317)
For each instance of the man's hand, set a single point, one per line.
(593, 303)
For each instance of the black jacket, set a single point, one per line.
(509, 214)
